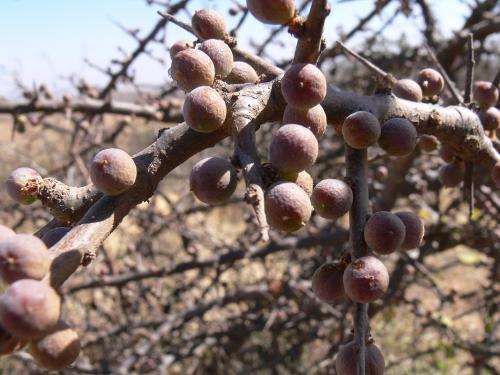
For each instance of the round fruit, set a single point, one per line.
(302, 179)
(495, 174)
(208, 24)
(22, 185)
(431, 82)
(331, 198)
(53, 236)
(204, 110)
(407, 89)
(113, 171)
(29, 309)
(428, 143)
(179, 46)
(221, 56)
(192, 68)
(384, 232)
(276, 12)
(451, 175)
(242, 73)
(327, 282)
(5, 232)
(57, 350)
(361, 130)
(365, 280)
(303, 86)
(23, 256)
(446, 153)
(213, 180)
(293, 148)
(287, 206)
(398, 137)
(490, 118)
(381, 173)
(485, 94)
(414, 229)
(347, 359)
(313, 118)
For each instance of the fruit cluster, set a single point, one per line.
(30, 310)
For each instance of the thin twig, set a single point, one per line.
(469, 79)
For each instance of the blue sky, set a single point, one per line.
(47, 41)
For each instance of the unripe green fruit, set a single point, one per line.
(209, 24)
(302, 179)
(428, 143)
(53, 236)
(192, 68)
(431, 82)
(414, 229)
(361, 130)
(384, 232)
(179, 46)
(303, 86)
(485, 94)
(490, 118)
(293, 148)
(5, 232)
(275, 12)
(22, 185)
(242, 73)
(58, 349)
(347, 359)
(398, 137)
(220, 54)
(451, 175)
(327, 283)
(23, 256)
(204, 110)
(332, 198)
(29, 309)
(313, 118)
(407, 89)
(213, 180)
(287, 206)
(365, 280)
(495, 174)
(113, 171)
(446, 153)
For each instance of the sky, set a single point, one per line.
(48, 41)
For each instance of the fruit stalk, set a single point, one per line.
(357, 176)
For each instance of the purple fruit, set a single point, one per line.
(29, 309)
(204, 110)
(398, 137)
(490, 118)
(431, 82)
(23, 256)
(113, 171)
(275, 12)
(365, 280)
(313, 118)
(221, 56)
(213, 180)
(361, 130)
(293, 148)
(384, 232)
(485, 94)
(347, 359)
(407, 89)
(332, 198)
(192, 68)
(22, 185)
(303, 86)
(415, 229)
(451, 175)
(208, 24)
(327, 282)
(242, 73)
(179, 46)
(287, 206)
